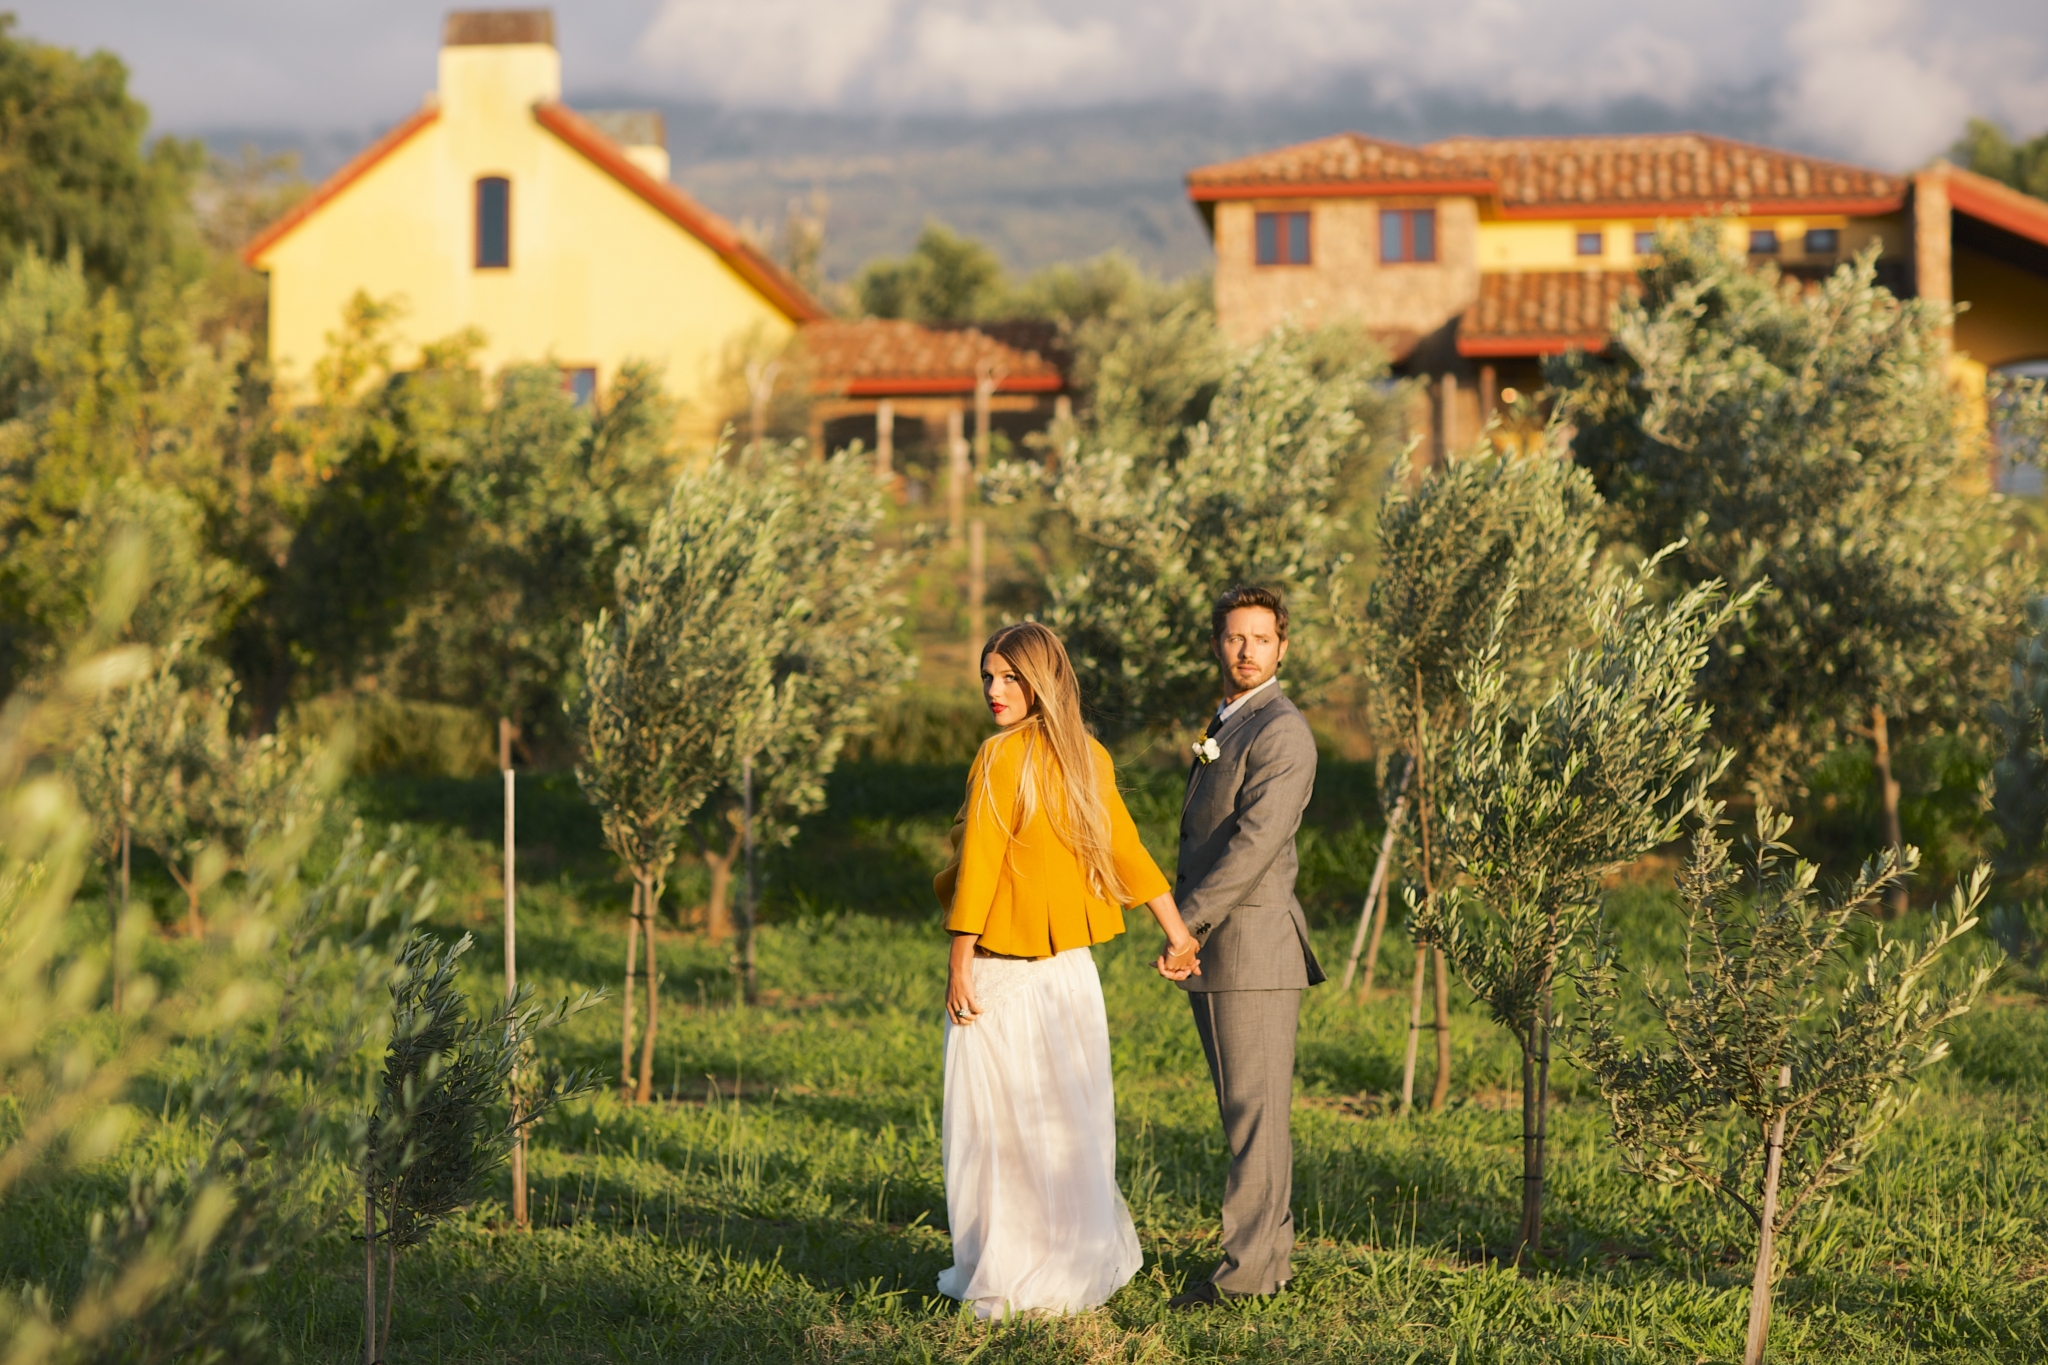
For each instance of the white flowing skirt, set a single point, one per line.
(1030, 1144)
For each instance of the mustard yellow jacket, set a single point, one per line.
(1023, 890)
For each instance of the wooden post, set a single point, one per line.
(1440, 1088)
(1449, 396)
(956, 472)
(626, 1000)
(370, 1356)
(885, 439)
(121, 912)
(1489, 392)
(505, 736)
(977, 590)
(1376, 894)
(1414, 1030)
(1062, 409)
(749, 903)
(984, 395)
(1767, 1233)
(1888, 796)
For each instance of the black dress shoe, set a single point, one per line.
(1203, 1295)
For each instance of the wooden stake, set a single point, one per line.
(1376, 894)
(369, 1269)
(1767, 1233)
(505, 735)
(1440, 1088)
(885, 439)
(984, 395)
(977, 591)
(750, 903)
(626, 1028)
(650, 897)
(956, 472)
(1888, 791)
(1414, 1031)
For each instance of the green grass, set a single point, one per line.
(784, 1200)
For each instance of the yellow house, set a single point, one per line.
(1473, 258)
(498, 208)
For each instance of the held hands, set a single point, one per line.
(1178, 962)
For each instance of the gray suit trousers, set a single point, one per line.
(1248, 1037)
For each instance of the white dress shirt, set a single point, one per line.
(1236, 704)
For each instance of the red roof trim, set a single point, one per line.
(684, 211)
(882, 386)
(1855, 206)
(1550, 344)
(2019, 214)
(1333, 189)
(339, 181)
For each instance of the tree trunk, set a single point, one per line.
(718, 909)
(626, 997)
(1767, 1233)
(1535, 1128)
(1440, 1090)
(1888, 791)
(648, 897)
(194, 925)
(1414, 1030)
(369, 1270)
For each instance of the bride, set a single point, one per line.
(1045, 858)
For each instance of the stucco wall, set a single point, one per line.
(2007, 317)
(1346, 280)
(598, 275)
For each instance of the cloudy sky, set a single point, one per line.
(1887, 82)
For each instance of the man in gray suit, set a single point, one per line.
(1251, 780)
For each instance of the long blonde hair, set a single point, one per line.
(1077, 807)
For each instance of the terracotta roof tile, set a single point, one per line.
(1348, 158)
(1657, 170)
(1539, 311)
(887, 355)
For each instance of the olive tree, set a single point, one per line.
(1249, 496)
(1811, 437)
(1476, 552)
(671, 675)
(1541, 803)
(840, 660)
(1782, 1053)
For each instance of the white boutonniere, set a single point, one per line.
(1206, 751)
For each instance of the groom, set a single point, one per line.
(1251, 780)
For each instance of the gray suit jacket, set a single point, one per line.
(1235, 878)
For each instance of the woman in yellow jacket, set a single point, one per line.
(1045, 860)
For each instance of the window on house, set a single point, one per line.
(580, 383)
(1592, 243)
(1823, 241)
(1282, 238)
(1407, 235)
(1646, 242)
(1763, 241)
(493, 223)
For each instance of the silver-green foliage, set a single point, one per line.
(1812, 437)
(1249, 500)
(1775, 975)
(1540, 804)
(1776, 987)
(1469, 539)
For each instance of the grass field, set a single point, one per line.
(784, 1200)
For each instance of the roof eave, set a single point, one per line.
(1491, 348)
(1856, 206)
(2002, 207)
(1334, 189)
